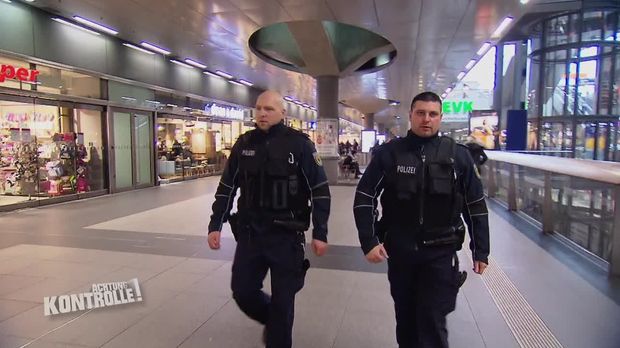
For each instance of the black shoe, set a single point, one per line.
(462, 278)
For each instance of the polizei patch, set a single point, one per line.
(405, 169)
(248, 153)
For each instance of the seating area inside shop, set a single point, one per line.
(191, 149)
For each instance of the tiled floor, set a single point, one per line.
(158, 236)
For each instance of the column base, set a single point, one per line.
(331, 169)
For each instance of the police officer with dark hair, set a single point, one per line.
(282, 181)
(426, 182)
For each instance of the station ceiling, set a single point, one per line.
(434, 39)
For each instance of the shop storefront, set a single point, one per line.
(79, 111)
(197, 144)
(51, 149)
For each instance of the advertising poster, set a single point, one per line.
(369, 137)
(327, 137)
(483, 126)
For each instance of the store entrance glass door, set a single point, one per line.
(142, 142)
(131, 150)
(122, 152)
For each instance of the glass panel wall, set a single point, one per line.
(579, 65)
(57, 81)
(555, 83)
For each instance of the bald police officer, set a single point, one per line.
(426, 182)
(282, 182)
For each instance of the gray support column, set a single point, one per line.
(327, 124)
(369, 121)
(519, 92)
(499, 80)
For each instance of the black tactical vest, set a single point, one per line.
(269, 176)
(421, 191)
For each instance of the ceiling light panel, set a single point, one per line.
(95, 25)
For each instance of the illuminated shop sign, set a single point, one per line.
(453, 107)
(224, 111)
(21, 74)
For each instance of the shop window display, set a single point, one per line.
(188, 149)
(41, 156)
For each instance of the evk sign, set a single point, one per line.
(22, 74)
(460, 107)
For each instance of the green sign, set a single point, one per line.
(461, 107)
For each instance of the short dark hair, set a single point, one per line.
(427, 97)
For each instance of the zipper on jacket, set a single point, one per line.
(423, 186)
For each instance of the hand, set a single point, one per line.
(479, 266)
(214, 240)
(319, 247)
(377, 254)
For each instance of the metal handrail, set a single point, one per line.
(512, 170)
(602, 171)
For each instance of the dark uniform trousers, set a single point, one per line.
(281, 252)
(424, 286)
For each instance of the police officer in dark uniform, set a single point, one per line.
(282, 181)
(426, 182)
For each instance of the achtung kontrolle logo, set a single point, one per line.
(101, 295)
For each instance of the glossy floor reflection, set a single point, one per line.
(158, 236)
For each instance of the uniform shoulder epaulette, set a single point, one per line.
(463, 147)
(395, 142)
(296, 132)
(245, 137)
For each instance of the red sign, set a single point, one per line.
(22, 74)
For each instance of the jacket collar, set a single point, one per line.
(417, 141)
(275, 130)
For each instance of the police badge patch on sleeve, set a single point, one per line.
(317, 159)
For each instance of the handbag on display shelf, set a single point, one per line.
(55, 187)
(54, 169)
